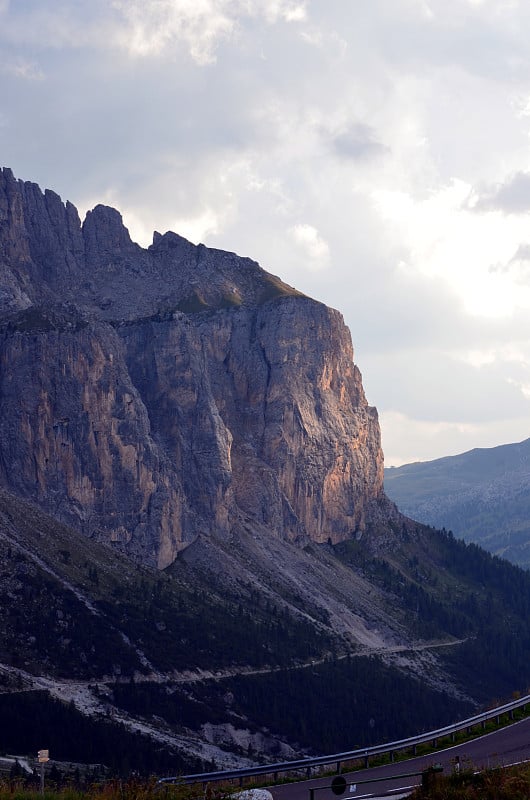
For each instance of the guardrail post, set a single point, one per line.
(366, 761)
(392, 756)
(430, 775)
(308, 772)
(415, 750)
(338, 767)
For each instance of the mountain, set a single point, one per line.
(482, 495)
(151, 396)
(199, 562)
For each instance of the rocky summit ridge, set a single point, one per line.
(152, 396)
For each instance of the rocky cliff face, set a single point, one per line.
(151, 395)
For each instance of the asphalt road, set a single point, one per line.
(507, 746)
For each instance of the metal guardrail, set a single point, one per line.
(339, 784)
(363, 753)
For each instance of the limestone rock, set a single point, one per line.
(151, 395)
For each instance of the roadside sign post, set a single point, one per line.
(429, 776)
(42, 757)
(338, 784)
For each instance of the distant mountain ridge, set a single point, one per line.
(482, 495)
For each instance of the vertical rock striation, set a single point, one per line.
(151, 395)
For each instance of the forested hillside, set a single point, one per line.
(217, 668)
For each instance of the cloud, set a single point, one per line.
(63, 24)
(340, 144)
(142, 28)
(439, 399)
(519, 266)
(358, 142)
(312, 246)
(152, 27)
(486, 40)
(406, 440)
(26, 70)
(522, 254)
(275, 10)
(453, 392)
(446, 239)
(516, 270)
(512, 197)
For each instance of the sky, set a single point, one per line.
(375, 154)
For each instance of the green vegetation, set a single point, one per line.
(178, 624)
(340, 705)
(184, 626)
(30, 719)
(325, 708)
(90, 788)
(46, 626)
(95, 616)
(37, 319)
(193, 304)
(441, 585)
(499, 784)
(274, 287)
(176, 618)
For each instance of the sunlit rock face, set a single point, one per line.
(151, 395)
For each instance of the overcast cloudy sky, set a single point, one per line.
(373, 153)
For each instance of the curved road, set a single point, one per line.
(507, 746)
